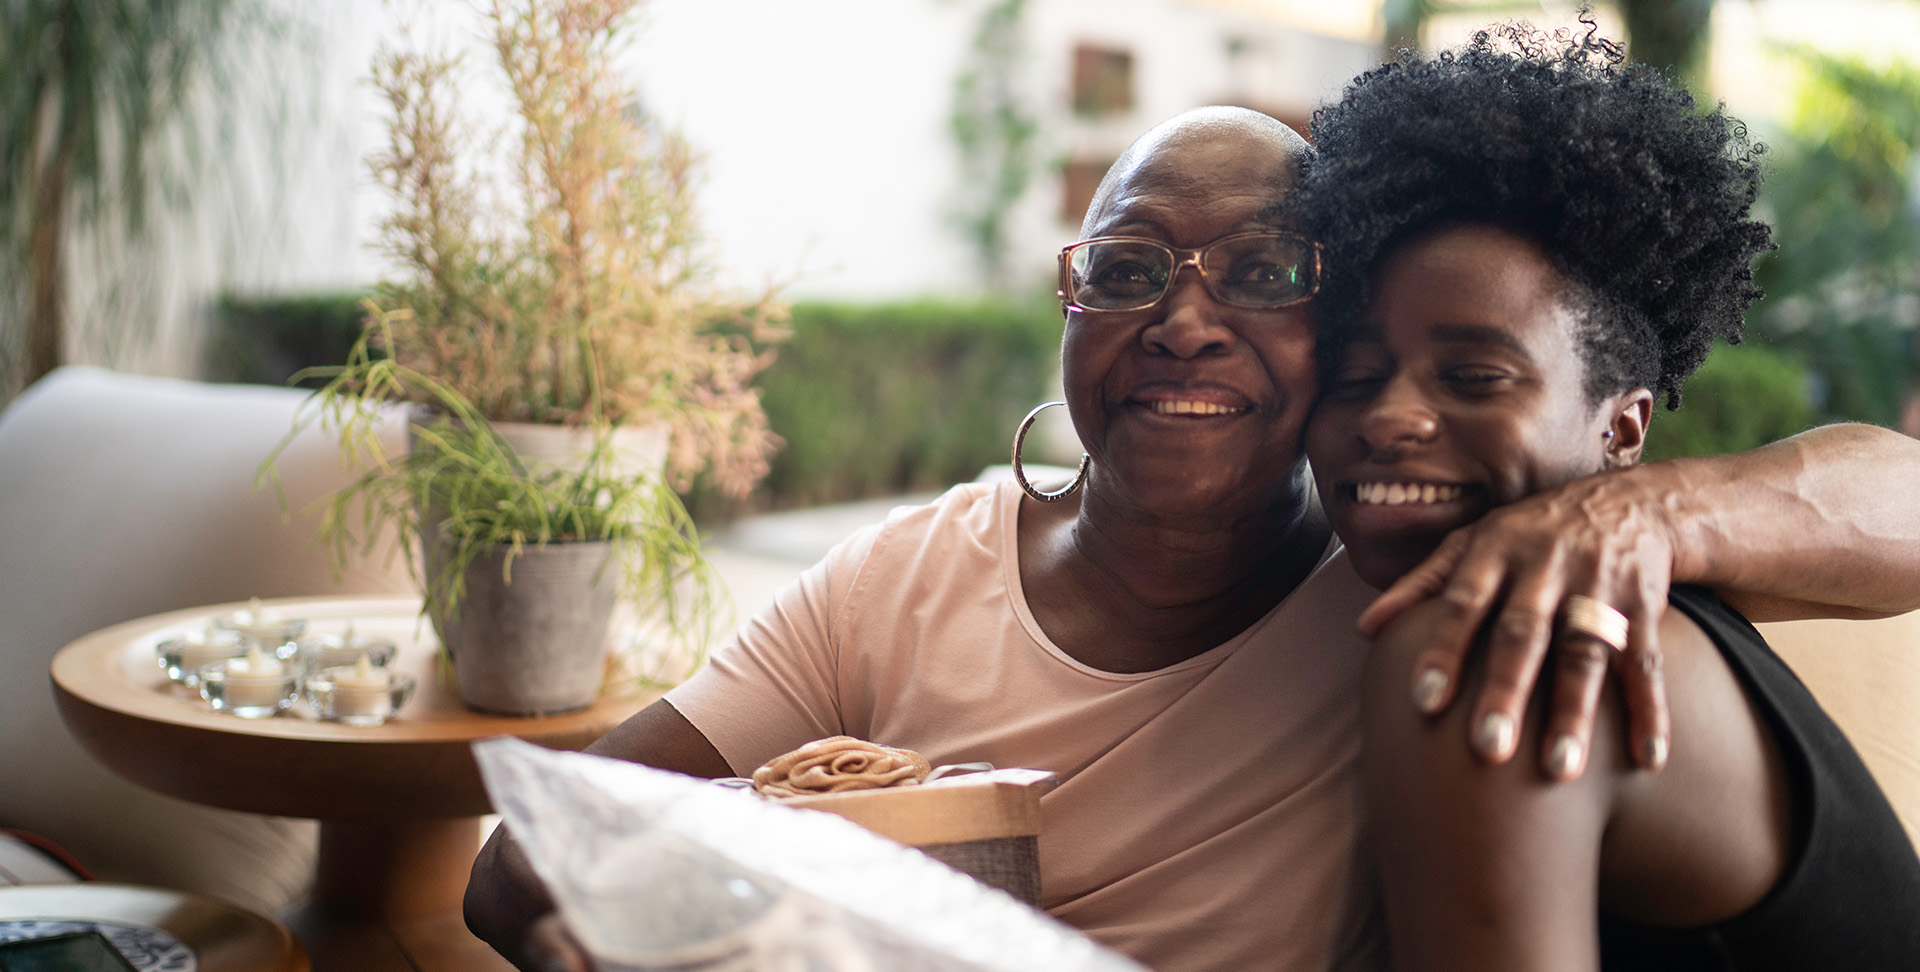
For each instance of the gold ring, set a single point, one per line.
(1602, 622)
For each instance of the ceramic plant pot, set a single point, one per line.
(536, 645)
(637, 451)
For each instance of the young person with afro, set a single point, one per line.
(1529, 242)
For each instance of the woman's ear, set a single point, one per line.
(1626, 433)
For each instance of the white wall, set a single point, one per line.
(829, 167)
(823, 125)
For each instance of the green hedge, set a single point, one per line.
(264, 340)
(1745, 395)
(876, 399)
(872, 399)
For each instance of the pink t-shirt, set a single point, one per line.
(1208, 814)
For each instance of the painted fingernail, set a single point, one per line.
(1655, 752)
(1494, 738)
(1563, 760)
(1430, 690)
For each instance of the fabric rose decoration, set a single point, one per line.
(839, 763)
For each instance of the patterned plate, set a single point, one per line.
(147, 949)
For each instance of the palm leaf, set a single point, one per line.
(93, 94)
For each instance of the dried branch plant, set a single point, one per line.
(574, 294)
(579, 295)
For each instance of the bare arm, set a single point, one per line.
(1482, 867)
(505, 899)
(1824, 524)
(1493, 867)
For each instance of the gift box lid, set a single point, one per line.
(949, 810)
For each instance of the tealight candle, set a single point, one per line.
(362, 691)
(253, 615)
(183, 657)
(363, 677)
(362, 695)
(263, 625)
(255, 664)
(252, 686)
(338, 650)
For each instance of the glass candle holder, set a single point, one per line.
(322, 650)
(183, 657)
(250, 692)
(358, 695)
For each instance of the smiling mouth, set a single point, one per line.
(1188, 407)
(1402, 494)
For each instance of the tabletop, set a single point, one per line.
(399, 804)
(120, 704)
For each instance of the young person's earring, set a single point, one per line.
(1020, 473)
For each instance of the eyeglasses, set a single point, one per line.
(1127, 273)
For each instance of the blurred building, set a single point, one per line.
(830, 166)
(831, 162)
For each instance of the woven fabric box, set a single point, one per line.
(985, 824)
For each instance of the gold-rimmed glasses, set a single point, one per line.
(1261, 270)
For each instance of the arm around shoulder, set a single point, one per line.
(1823, 524)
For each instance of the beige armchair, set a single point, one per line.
(1866, 674)
(122, 496)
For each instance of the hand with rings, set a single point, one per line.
(1582, 570)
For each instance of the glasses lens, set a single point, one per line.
(1119, 274)
(1261, 271)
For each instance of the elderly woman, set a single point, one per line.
(1532, 242)
(1175, 638)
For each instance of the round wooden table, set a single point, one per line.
(399, 804)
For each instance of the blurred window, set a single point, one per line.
(1082, 177)
(1102, 80)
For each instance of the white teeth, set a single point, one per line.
(1401, 494)
(1192, 408)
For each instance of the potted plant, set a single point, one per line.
(565, 353)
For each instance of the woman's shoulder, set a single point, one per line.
(1699, 842)
(963, 510)
(1725, 760)
(1831, 879)
(967, 514)
(1713, 834)
(948, 537)
(975, 504)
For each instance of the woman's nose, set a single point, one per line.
(1398, 417)
(1189, 325)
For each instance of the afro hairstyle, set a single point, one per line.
(1641, 201)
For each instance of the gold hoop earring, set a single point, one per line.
(1020, 474)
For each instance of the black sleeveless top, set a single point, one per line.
(1850, 899)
